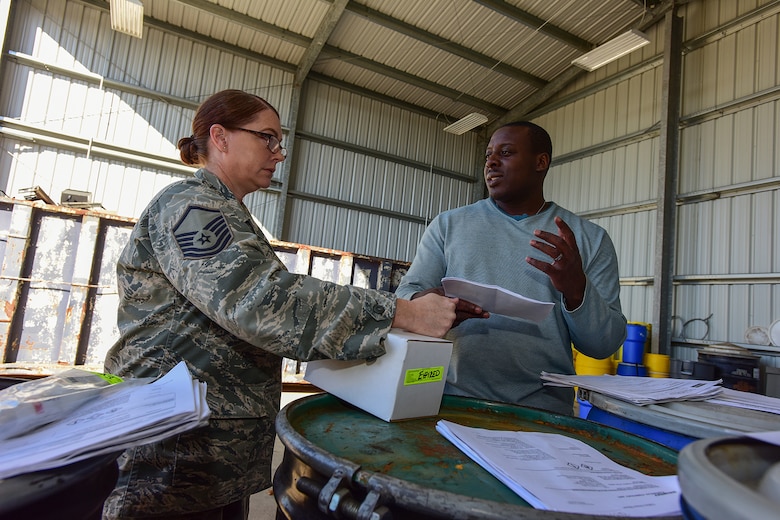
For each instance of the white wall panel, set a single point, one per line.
(328, 171)
(619, 176)
(730, 236)
(637, 303)
(264, 206)
(733, 149)
(331, 171)
(357, 231)
(372, 124)
(373, 183)
(119, 188)
(79, 38)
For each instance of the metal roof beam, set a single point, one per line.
(384, 98)
(537, 23)
(385, 70)
(537, 98)
(326, 27)
(335, 52)
(248, 21)
(278, 63)
(444, 44)
(561, 80)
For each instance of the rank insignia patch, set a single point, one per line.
(202, 233)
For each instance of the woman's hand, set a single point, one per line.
(464, 310)
(430, 315)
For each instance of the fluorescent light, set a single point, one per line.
(127, 16)
(464, 124)
(612, 50)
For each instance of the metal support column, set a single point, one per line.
(669, 150)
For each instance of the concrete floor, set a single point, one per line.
(262, 506)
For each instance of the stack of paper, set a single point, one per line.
(747, 400)
(128, 415)
(32, 404)
(640, 390)
(558, 473)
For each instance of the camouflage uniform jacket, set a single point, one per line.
(198, 281)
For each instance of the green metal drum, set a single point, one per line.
(340, 462)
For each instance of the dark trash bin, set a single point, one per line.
(73, 492)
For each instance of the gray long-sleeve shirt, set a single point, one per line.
(501, 358)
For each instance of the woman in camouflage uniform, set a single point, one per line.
(199, 282)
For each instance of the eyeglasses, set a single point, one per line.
(274, 145)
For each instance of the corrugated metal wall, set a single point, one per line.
(87, 108)
(369, 177)
(104, 111)
(605, 129)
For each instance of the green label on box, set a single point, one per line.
(109, 378)
(416, 376)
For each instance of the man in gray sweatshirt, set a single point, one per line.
(519, 241)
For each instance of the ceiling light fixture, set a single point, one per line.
(127, 16)
(612, 50)
(464, 124)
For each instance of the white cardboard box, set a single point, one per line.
(407, 382)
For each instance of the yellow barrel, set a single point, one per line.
(657, 364)
(588, 366)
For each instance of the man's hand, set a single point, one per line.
(464, 309)
(565, 271)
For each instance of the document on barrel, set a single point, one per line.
(495, 299)
(558, 473)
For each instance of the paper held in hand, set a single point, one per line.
(496, 299)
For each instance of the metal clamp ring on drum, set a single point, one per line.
(330, 495)
(371, 508)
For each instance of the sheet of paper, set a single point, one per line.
(128, 416)
(770, 437)
(748, 400)
(558, 473)
(496, 299)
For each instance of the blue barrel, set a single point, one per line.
(583, 408)
(408, 470)
(630, 369)
(634, 346)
